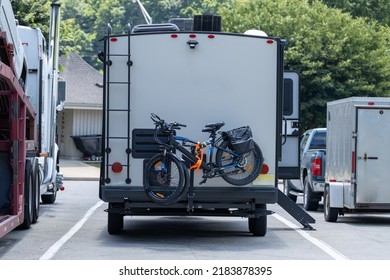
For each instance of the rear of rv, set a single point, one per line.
(193, 78)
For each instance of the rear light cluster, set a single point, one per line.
(316, 167)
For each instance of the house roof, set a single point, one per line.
(82, 80)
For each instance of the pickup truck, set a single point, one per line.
(312, 170)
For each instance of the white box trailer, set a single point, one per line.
(358, 156)
(194, 78)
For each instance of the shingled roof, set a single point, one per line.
(83, 83)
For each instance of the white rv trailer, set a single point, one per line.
(358, 156)
(193, 78)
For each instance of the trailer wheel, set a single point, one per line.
(310, 200)
(36, 191)
(258, 226)
(114, 222)
(28, 196)
(330, 213)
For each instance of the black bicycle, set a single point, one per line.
(238, 159)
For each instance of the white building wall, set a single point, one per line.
(76, 122)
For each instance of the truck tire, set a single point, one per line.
(36, 192)
(51, 197)
(310, 200)
(114, 221)
(287, 189)
(258, 226)
(28, 196)
(330, 213)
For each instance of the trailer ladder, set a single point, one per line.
(108, 110)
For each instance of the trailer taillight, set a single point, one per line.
(316, 167)
(116, 167)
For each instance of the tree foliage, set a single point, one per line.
(337, 56)
(378, 10)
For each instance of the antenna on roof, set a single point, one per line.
(147, 17)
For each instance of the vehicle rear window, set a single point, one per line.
(319, 140)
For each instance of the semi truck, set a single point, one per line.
(358, 156)
(29, 155)
(194, 77)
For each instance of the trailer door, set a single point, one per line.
(373, 155)
(290, 161)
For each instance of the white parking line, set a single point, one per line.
(320, 244)
(52, 251)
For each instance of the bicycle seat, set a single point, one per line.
(210, 127)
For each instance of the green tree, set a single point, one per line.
(33, 13)
(337, 56)
(373, 9)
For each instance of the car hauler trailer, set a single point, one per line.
(195, 78)
(29, 169)
(358, 156)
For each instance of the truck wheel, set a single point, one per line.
(51, 197)
(330, 213)
(28, 196)
(258, 226)
(287, 189)
(36, 192)
(310, 200)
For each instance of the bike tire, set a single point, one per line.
(165, 181)
(247, 172)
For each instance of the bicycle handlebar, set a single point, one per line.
(165, 127)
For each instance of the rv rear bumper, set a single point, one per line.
(214, 195)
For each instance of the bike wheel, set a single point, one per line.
(239, 170)
(165, 181)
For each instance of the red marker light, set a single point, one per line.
(192, 36)
(174, 36)
(264, 169)
(116, 167)
(371, 103)
(211, 36)
(270, 42)
(114, 39)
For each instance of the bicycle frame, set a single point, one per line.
(210, 143)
